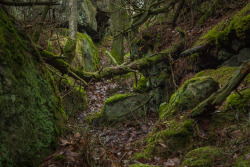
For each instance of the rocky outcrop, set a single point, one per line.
(30, 109)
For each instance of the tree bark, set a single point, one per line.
(70, 46)
(216, 99)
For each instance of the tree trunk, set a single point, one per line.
(70, 46)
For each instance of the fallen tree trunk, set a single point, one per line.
(108, 72)
(13, 3)
(217, 98)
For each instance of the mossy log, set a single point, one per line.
(216, 99)
(108, 72)
(12, 3)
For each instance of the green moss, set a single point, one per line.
(117, 97)
(118, 58)
(204, 157)
(221, 34)
(162, 109)
(194, 56)
(142, 165)
(239, 102)
(69, 50)
(243, 163)
(94, 52)
(141, 85)
(185, 99)
(59, 157)
(176, 137)
(31, 112)
(75, 99)
(222, 74)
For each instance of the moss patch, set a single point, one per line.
(222, 74)
(204, 157)
(141, 85)
(174, 138)
(238, 26)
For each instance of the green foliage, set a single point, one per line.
(204, 157)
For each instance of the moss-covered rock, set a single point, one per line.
(222, 74)
(236, 27)
(86, 55)
(119, 108)
(174, 138)
(204, 157)
(191, 93)
(30, 109)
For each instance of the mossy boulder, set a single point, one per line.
(204, 157)
(120, 108)
(237, 27)
(191, 93)
(86, 56)
(31, 113)
(175, 137)
(86, 17)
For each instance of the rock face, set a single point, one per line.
(86, 17)
(121, 107)
(30, 110)
(86, 57)
(189, 95)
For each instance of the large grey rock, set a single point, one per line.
(86, 17)
(190, 94)
(30, 109)
(121, 107)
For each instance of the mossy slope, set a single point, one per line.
(30, 111)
